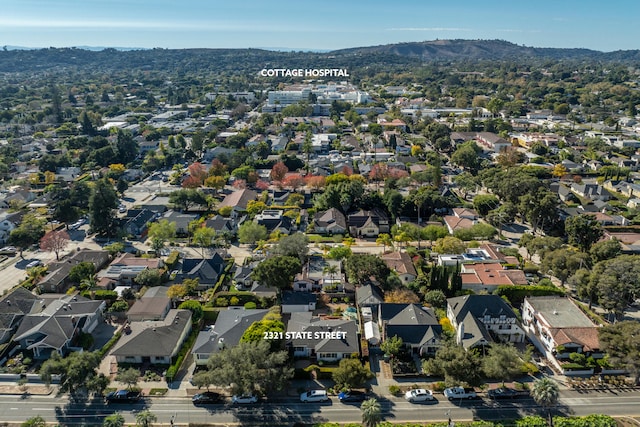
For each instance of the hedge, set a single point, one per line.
(105, 349)
(517, 293)
(186, 347)
(100, 294)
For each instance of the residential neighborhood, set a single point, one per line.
(321, 235)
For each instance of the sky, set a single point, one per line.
(316, 25)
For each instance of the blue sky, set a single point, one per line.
(318, 25)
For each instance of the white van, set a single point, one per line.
(314, 396)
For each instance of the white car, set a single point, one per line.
(314, 396)
(244, 399)
(419, 395)
(35, 263)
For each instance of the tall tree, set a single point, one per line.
(545, 392)
(583, 231)
(350, 373)
(277, 271)
(129, 377)
(249, 367)
(55, 242)
(503, 362)
(29, 232)
(294, 245)
(371, 413)
(160, 232)
(360, 268)
(113, 420)
(145, 418)
(78, 373)
(203, 237)
(621, 342)
(102, 204)
(251, 232)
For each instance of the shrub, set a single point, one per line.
(234, 301)
(250, 305)
(221, 302)
(394, 390)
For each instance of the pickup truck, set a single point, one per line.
(123, 396)
(454, 393)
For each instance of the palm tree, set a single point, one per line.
(545, 392)
(331, 270)
(371, 413)
(115, 420)
(145, 418)
(385, 240)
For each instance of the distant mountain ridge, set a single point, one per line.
(251, 60)
(484, 50)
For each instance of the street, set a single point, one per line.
(16, 408)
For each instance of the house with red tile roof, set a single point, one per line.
(402, 264)
(487, 276)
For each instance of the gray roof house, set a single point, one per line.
(207, 271)
(323, 339)
(56, 280)
(331, 221)
(136, 222)
(298, 301)
(155, 342)
(417, 326)
(369, 296)
(480, 320)
(181, 219)
(53, 324)
(229, 328)
(13, 307)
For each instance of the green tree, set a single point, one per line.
(456, 365)
(434, 232)
(617, 282)
(545, 392)
(392, 346)
(385, 240)
(539, 208)
(503, 362)
(256, 332)
(449, 245)
(361, 267)
(249, 367)
(145, 418)
(195, 308)
(188, 197)
(129, 376)
(583, 231)
(563, 263)
(467, 156)
(113, 420)
(160, 232)
(102, 204)
(339, 253)
(203, 237)
(66, 212)
(294, 245)
(277, 271)
(350, 373)
(251, 232)
(78, 373)
(483, 203)
(607, 249)
(29, 232)
(621, 342)
(435, 298)
(149, 277)
(371, 413)
(36, 421)
(81, 271)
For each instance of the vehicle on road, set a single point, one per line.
(35, 263)
(419, 395)
(455, 393)
(8, 250)
(505, 393)
(244, 399)
(123, 396)
(206, 397)
(314, 396)
(352, 396)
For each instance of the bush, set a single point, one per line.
(104, 350)
(250, 305)
(172, 259)
(221, 302)
(234, 301)
(394, 390)
(184, 350)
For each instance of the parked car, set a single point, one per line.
(244, 399)
(123, 396)
(454, 393)
(419, 395)
(352, 396)
(35, 263)
(314, 396)
(505, 393)
(206, 397)
(8, 250)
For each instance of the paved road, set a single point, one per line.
(18, 408)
